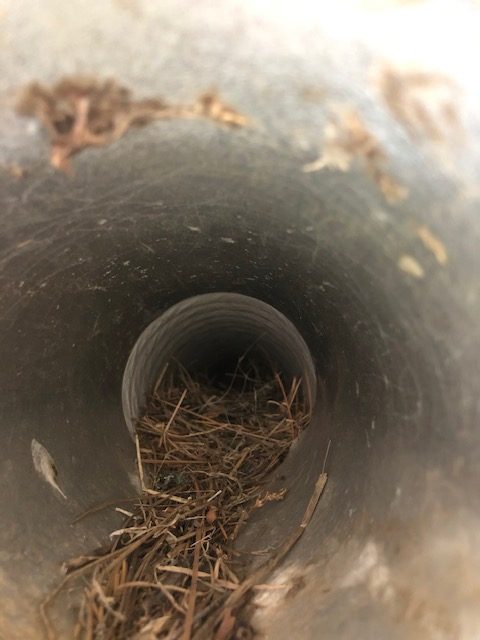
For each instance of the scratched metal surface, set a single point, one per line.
(88, 262)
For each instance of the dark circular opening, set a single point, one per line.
(217, 336)
(232, 371)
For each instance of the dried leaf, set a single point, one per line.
(45, 466)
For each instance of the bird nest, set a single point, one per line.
(204, 454)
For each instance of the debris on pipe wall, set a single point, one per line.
(80, 112)
(409, 265)
(16, 170)
(424, 103)
(433, 244)
(45, 465)
(348, 138)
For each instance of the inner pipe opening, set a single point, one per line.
(214, 336)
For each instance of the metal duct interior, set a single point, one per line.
(184, 208)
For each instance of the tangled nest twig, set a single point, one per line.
(203, 457)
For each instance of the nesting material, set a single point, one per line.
(203, 455)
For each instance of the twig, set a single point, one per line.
(139, 462)
(100, 507)
(176, 410)
(326, 455)
(187, 631)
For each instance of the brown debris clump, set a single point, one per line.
(348, 139)
(424, 103)
(81, 112)
(203, 455)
